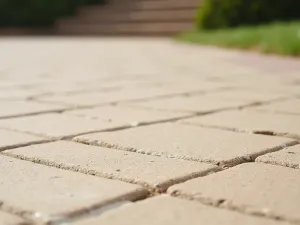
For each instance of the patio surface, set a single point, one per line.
(124, 131)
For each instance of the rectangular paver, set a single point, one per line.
(291, 106)
(164, 210)
(195, 103)
(96, 98)
(10, 139)
(56, 125)
(188, 142)
(248, 94)
(126, 114)
(9, 219)
(289, 157)
(252, 121)
(48, 192)
(153, 171)
(17, 108)
(257, 187)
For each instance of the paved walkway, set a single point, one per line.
(146, 131)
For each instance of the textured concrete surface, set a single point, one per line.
(130, 99)
(9, 219)
(52, 192)
(12, 139)
(188, 142)
(194, 103)
(264, 189)
(19, 108)
(153, 171)
(126, 114)
(252, 121)
(290, 106)
(56, 125)
(289, 157)
(167, 210)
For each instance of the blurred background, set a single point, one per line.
(264, 25)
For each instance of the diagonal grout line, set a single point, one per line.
(91, 213)
(237, 130)
(9, 147)
(172, 95)
(33, 113)
(17, 212)
(37, 218)
(231, 206)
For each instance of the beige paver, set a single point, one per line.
(17, 94)
(96, 98)
(248, 94)
(195, 103)
(249, 120)
(257, 187)
(188, 142)
(17, 108)
(50, 192)
(126, 114)
(291, 106)
(56, 125)
(155, 171)
(289, 157)
(167, 210)
(9, 139)
(9, 219)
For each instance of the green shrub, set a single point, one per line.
(231, 13)
(37, 12)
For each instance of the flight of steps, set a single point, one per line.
(132, 17)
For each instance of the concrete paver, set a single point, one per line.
(56, 125)
(167, 210)
(51, 192)
(249, 94)
(99, 98)
(188, 142)
(9, 219)
(126, 114)
(250, 120)
(156, 172)
(289, 157)
(195, 103)
(257, 187)
(10, 139)
(291, 106)
(17, 108)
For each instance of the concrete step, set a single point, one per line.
(162, 28)
(178, 15)
(140, 5)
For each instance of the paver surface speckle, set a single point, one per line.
(104, 130)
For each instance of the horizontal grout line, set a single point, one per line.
(33, 114)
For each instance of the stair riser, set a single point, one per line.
(143, 16)
(144, 5)
(155, 28)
